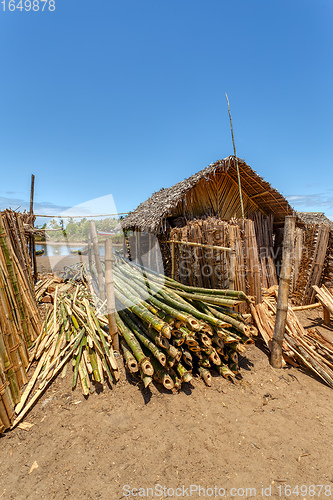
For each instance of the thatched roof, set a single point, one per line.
(150, 215)
(314, 218)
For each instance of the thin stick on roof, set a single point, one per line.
(233, 142)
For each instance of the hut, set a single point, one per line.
(211, 192)
(205, 209)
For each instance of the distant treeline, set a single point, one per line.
(77, 230)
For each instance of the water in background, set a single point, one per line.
(62, 249)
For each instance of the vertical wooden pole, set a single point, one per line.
(232, 270)
(173, 261)
(97, 260)
(284, 283)
(90, 250)
(236, 160)
(109, 286)
(149, 251)
(326, 316)
(32, 236)
(32, 194)
(124, 245)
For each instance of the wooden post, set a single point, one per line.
(32, 194)
(109, 286)
(173, 261)
(284, 283)
(326, 317)
(97, 260)
(149, 250)
(232, 270)
(32, 236)
(90, 250)
(124, 245)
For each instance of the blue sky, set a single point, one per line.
(126, 97)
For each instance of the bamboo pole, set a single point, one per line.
(173, 262)
(32, 237)
(305, 308)
(109, 287)
(232, 270)
(97, 260)
(236, 160)
(282, 303)
(201, 245)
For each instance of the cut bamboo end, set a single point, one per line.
(168, 382)
(193, 324)
(147, 367)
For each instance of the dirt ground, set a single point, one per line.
(252, 438)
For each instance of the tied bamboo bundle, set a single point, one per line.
(19, 317)
(299, 347)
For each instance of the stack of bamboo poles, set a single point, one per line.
(312, 265)
(169, 329)
(72, 334)
(210, 268)
(299, 347)
(19, 319)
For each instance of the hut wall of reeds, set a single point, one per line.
(313, 261)
(19, 317)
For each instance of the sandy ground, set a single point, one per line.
(271, 429)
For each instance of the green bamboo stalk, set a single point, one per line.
(144, 314)
(134, 344)
(161, 375)
(185, 374)
(153, 300)
(130, 360)
(205, 375)
(146, 379)
(142, 337)
(225, 371)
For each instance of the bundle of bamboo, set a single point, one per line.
(19, 318)
(167, 330)
(299, 347)
(71, 331)
(171, 329)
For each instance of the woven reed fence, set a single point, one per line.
(313, 262)
(19, 318)
(252, 242)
